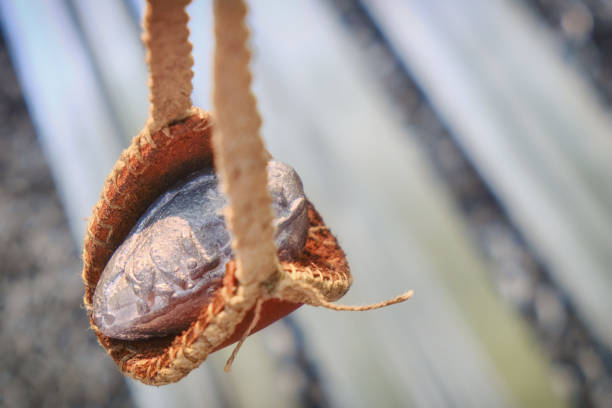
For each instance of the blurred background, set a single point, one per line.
(462, 149)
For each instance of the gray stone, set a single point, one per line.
(174, 258)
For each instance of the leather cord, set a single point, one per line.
(240, 155)
(166, 38)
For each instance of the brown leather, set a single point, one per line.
(272, 310)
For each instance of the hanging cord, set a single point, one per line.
(241, 159)
(240, 155)
(321, 302)
(313, 296)
(256, 317)
(170, 61)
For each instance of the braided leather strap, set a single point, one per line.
(169, 58)
(240, 155)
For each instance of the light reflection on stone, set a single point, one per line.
(174, 259)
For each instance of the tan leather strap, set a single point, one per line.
(169, 57)
(240, 155)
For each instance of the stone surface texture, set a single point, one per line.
(173, 260)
